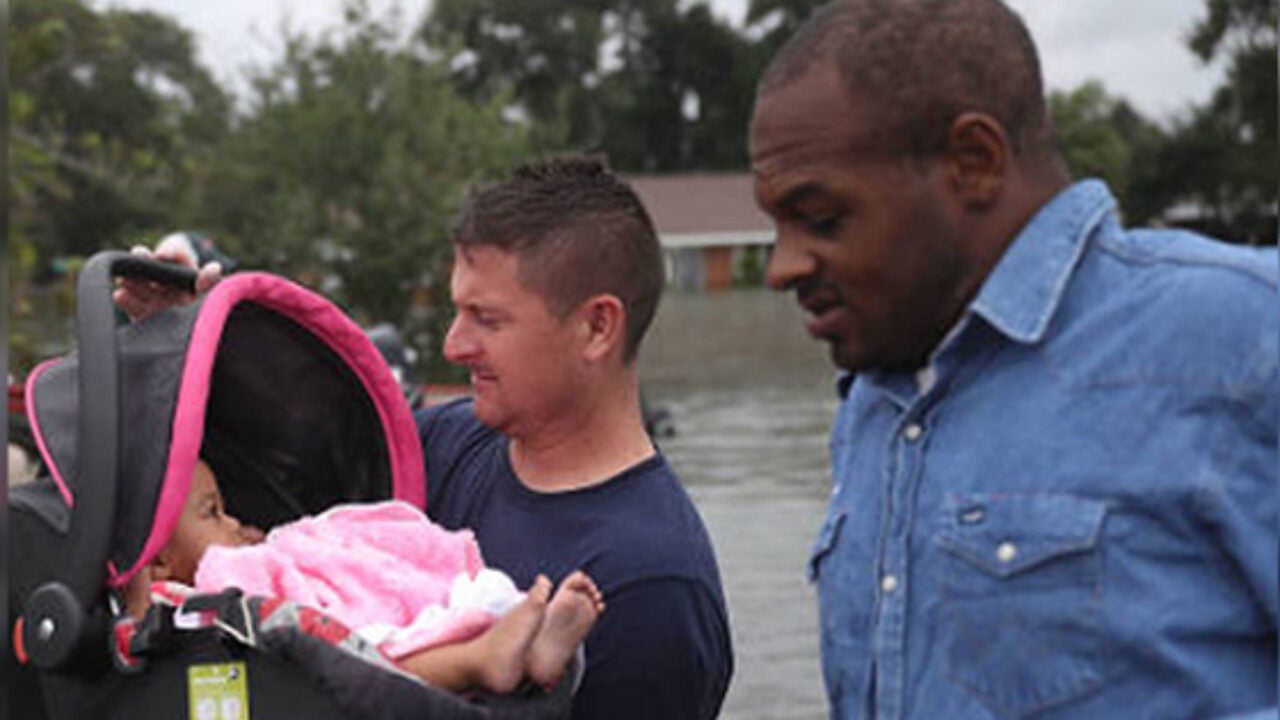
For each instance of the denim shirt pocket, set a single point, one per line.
(1021, 598)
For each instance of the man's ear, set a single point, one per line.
(603, 322)
(977, 157)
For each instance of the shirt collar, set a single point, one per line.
(1024, 289)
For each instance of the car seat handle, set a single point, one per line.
(58, 617)
(93, 515)
(167, 273)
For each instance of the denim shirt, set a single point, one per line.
(1075, 516)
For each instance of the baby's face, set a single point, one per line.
(204, 522)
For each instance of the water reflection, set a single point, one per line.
(751, 401)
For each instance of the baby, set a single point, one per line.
(533, 640)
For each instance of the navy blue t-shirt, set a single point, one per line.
(662, 648)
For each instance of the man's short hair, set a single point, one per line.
(919, 64)
(577, 231)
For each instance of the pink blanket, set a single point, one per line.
(367, 566)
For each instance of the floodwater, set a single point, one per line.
(751, 398)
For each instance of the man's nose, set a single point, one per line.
(788, 264)
(457, 343)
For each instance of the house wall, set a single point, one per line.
(684, 269)
(717, 264)
(714, 268)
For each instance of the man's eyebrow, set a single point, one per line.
(799, 193)
(481, 307)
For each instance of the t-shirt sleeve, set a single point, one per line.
(660, 650)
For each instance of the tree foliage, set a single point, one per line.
(776, 20)
(347, 169)
(107, 112)
(1102, 135)
(108, 115)
(346, 159)
(1226, 155)
(654, 84)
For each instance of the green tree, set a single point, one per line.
(545, 55)
(655, 84)
(347, 168)
(109, 114)
(1088, 137)
(1101, 135)
(108, 111)
(682, 96)
(1224, 158)
(773, 21)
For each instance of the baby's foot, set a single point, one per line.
(508, 642)
(570, 615)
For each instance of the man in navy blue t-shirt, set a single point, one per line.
(557, 274)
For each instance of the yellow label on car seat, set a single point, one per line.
(218, 692)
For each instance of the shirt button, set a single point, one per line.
(889, 583)
(1006, 552)
(912, 432)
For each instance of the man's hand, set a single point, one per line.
(140, 298)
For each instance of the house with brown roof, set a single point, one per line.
(712, 233)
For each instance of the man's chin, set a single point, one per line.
(859, 358)
(846, 356)
(489, 416)
(482, 410)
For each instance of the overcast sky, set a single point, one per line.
(1136, 47)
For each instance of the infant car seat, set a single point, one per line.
(294, 408)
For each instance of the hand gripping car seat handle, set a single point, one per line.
(59, 620)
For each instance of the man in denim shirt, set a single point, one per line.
(1055, 460)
